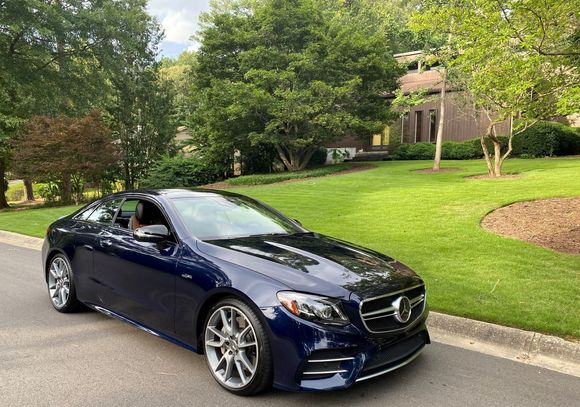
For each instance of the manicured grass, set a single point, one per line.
(431, 222)
(32, 222)
(260, 179)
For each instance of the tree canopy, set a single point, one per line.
(518, 59)
(292, 74)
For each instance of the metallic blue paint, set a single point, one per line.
(167, 288)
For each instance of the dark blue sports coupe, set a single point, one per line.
(265, 300)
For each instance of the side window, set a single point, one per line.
(84, 215)
(127, 211)
(105, 212)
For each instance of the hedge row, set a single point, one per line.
(541, 140)
(261, 179)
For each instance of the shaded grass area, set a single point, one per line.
(261, 179)
(432, 223)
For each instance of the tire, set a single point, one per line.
(60, 278)
(242, 349)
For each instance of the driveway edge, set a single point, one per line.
(517, 344)
(513, 343)
(16, 239)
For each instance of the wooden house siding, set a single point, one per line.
(460, 121)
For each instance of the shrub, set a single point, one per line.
(417, 151)
(466, 150)
(180, 171)
(547, 139)
(261, 179)
(15, 192)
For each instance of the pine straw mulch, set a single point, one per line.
(552, 223)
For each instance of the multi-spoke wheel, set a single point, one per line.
(60, 284)
(237, 348)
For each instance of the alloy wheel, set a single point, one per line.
(59, 282)
(231, 347)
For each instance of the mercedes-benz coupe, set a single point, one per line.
(267, 301)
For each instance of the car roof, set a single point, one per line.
(177, 192)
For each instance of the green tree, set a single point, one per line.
(178, 73)
(142, 121)
(516, 58)
(292, 74)
(58, 57)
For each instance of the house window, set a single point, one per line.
(418, 126)
(381, 139)
(432, 125)
(405, 128)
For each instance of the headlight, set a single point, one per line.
(313, 307)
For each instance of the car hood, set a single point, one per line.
(315, 263)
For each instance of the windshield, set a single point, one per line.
(228, 217)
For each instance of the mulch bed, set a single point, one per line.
(355, 167)
(430, 170)
(552, 223)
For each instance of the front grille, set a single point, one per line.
(378, 313)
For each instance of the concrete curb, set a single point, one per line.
(16, 239)
(524, 346)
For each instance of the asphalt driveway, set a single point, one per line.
(88, 359)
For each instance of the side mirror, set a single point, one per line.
(152, 233)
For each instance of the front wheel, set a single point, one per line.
(237, 348)
(61, 288)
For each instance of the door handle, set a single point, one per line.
(106, 243)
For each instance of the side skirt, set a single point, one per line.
(113, 314)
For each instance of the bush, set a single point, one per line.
(261, 179)
(417, 151)
(541, 140)
(547, 139)
(180, 171)
(466, 150)
(15, 192)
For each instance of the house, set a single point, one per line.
(461, 122)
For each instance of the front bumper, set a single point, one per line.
(308, 356)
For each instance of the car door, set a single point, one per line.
(82, 247)
(137, 278)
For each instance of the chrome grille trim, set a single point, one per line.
(330, 360)
(419, 300)
(326, 372)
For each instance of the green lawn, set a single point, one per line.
(32, 222)
(431, 223)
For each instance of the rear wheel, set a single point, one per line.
(237, 348)
(61, 288)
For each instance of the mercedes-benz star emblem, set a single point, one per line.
(402, 309)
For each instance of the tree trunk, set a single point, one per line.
(3, 184)
(295, 160)
(28, 191)
(439, 142)
(65, 194)
(496, 156)
(490, 169)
